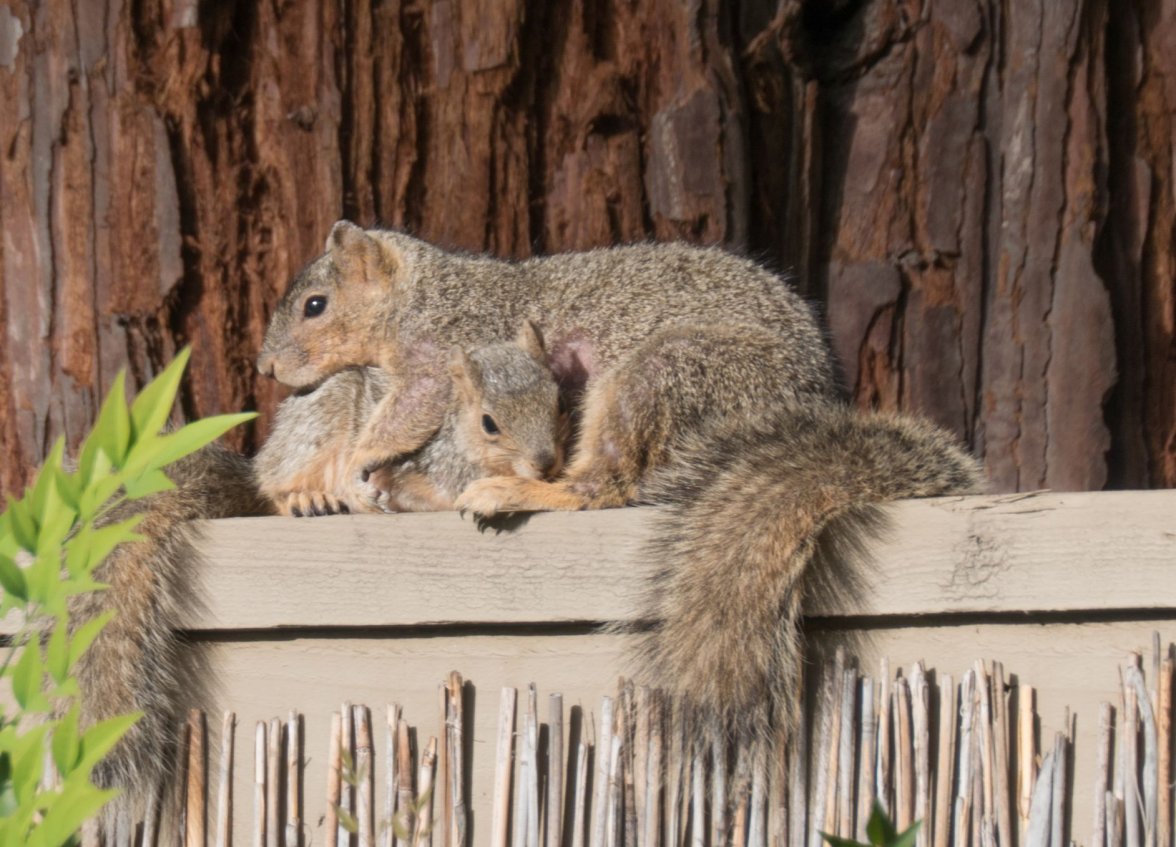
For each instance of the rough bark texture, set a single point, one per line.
(980, 193)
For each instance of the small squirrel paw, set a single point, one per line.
(305, 504)
(370, 488)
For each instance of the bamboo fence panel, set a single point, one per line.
(958, 752)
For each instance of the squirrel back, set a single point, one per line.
(752, 508)
(380, 297)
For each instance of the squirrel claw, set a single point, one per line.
(306, 504)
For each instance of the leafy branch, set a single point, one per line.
(51, 541)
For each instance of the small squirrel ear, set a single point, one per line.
(531, 340)
(467, 375)
(358, 255)
(342, 234)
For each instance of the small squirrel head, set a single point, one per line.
(334, 310)
(510, 418)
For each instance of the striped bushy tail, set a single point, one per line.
(136, 663)
(750, 512)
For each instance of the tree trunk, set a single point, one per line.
(981, 194)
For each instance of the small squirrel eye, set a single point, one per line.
(488, 425)
(315, 306)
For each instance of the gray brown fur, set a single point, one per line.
(732, 556)
(398, 303)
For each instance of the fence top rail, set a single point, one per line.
(1041, 552)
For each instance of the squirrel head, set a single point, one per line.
(510, 417)
(334, 309)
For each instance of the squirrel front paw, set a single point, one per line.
(305, 504)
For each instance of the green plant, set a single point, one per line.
(51, 540)
(881, 831)
(402, 823)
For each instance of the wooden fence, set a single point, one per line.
(998, 670)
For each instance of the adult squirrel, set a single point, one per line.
(702, 380)
(504, 417)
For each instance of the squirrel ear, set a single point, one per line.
(531, 340)
(358, 255)
(467, 375)
(343, 233)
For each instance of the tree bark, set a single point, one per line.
(979, 194)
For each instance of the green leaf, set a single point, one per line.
(65, 742)
(85, 634)
(151, 408)
(43, 578)
(12, 579)
(7, 796)
(69, 486)
(40, 489)
(112, 430)
(57, 518)
(24, 530)
(28, 761)
(99, 492)
(837, 841)
(78, 801)
(26, 675)
(175, 445)
(101, 737)
(907, 838)
(57, 652)
(879, 829)
(151, 482)
(97, 544)
(346, 819)
(69, 688)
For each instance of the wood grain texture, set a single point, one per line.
(980, 195)
(996, 554)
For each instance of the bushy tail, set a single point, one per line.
(135, 664)
(749, 513)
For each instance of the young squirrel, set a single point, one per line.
(704, 381)
(503, 419)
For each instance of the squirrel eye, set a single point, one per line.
(488, 425)
(315, 306)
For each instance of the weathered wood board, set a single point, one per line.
(1002, 554)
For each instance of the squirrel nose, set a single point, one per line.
(265, 364)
